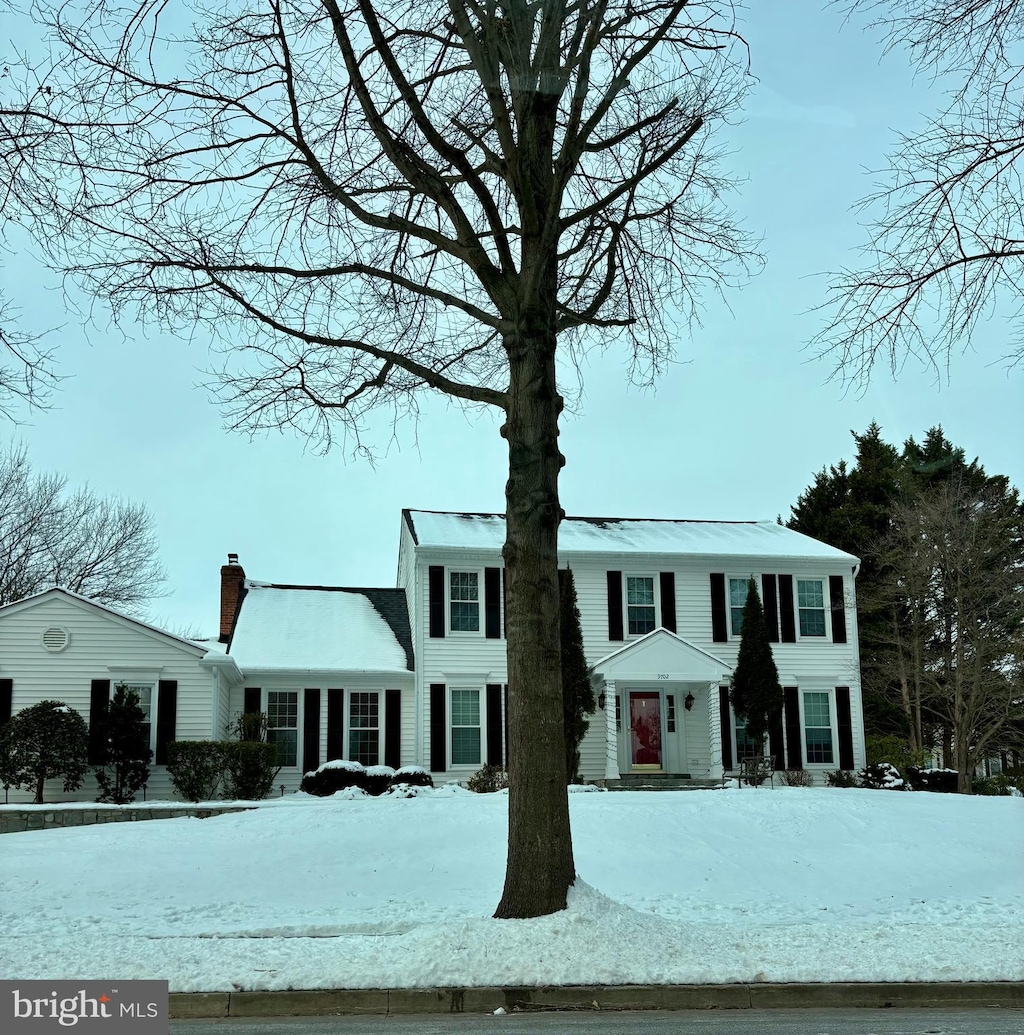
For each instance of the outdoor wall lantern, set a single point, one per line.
(688, 701)
(602, 700)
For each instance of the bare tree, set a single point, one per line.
(947, 227)
(954, 569)
(393, 196)
(102, 548)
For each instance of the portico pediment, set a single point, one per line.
(661, 655)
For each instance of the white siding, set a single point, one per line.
(101, 646)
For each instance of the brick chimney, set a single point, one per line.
(232, 576)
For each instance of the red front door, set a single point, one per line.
(645, 729)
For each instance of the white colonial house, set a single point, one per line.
(417, 674)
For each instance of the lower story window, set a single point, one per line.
(818, 728)
(144, 692)
(283, 724)
(746, 747)
(364, 728)
(465, 706)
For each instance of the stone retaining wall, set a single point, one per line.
(42, 818)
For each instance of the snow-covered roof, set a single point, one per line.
(321, 628)
(629, 535)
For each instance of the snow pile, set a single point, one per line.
(675, 887)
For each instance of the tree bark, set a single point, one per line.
(40, 782)
(540, 866)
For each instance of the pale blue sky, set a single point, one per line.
(735, 430)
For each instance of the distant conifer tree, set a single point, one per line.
(756, 692)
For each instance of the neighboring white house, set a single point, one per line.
(417, 674)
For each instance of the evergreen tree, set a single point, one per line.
(577, 692)
(756, 691)
(126, 752)
(43, 742)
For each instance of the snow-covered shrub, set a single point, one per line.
(941, 780)
(196, 768)
(336, 775)
(414, 776)
(406, 790)
(378, 779)
(841, 778)
(487, 779)
(795, 778)
(881, 776)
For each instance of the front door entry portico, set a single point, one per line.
(645, 729)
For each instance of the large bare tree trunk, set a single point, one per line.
(540, 864)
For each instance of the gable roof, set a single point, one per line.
(87, 603)
(282, 628)
(431, 528)
(665, 652)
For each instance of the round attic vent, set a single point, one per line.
(56, 638)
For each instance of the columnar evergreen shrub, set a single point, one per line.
(578, 699)
(125, 750)
(755, 691)
(196, 768)
(45, 741)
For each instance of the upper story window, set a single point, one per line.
(283, 724)
(640, 604)
(464, 601)
(810, 600)
(737, 598)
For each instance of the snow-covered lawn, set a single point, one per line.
(790, 884)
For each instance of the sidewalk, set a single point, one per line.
(328, 1002)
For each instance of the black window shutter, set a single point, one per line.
(775, 741)
(393, 728)
(166, 717)
(668, 600)
(719, 628)
(615, 605)
(726, 724)
(504, 604)
(506, 725)
(438, 752)
(788, 621)
(770, 598)
(335, 724)
(99, 702)
(6, 700)
(253, 698)
(845, 723)
(492, 603)
(435, 595)
(311, 731)
(793, 741)
(835, 592)
(494, 724)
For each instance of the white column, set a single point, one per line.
(715, 733)
(611, 736)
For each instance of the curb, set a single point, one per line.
(794, 996)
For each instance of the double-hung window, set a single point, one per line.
(810, 599)
(283, 724)
(464, 601)
(746, 747)
(818, 728)
(640, 604)
(465, 725)
(364, 727)
(737, 599)
(144, 692)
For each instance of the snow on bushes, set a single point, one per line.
(881, 776)
(342, 775)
